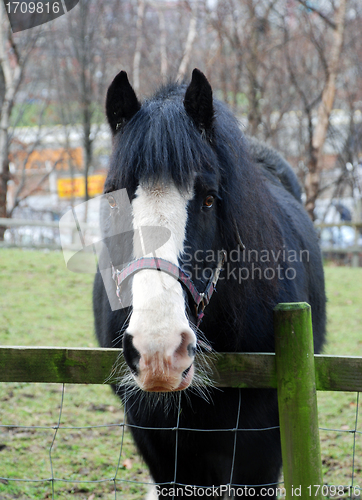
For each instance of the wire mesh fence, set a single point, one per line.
(293, 371)
(342, 444)
(95, 458)
(78, 446)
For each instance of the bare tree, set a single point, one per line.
(315, 164)
(191, 36)
(277, 63)
(14, 53)
(139, 41)
(82, 55)
(163, 43)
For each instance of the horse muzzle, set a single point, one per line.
(166, 382)
(161, 370)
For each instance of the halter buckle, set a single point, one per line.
(201, 306)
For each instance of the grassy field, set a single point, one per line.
(338, 410)
(41, 303)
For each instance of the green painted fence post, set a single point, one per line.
(297, 400)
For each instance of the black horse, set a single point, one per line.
(210, 199)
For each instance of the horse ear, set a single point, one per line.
(121, 102)
(198, 102)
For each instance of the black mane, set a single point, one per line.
(275, 165)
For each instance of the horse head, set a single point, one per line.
(163, 156)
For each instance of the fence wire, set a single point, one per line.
(352, 490)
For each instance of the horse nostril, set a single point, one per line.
(184, 373)
(191, 349)
(130, 353)
(187, 345)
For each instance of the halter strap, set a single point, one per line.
(201, 300)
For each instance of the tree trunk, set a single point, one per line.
(315, 165)
(137, 53)
(163, 45)
(191, 35)
(12, 74)
(85, 87)
(87, 144)
(252, 67)
(4, 177)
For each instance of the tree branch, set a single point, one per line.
(35, 189)
(306, 5)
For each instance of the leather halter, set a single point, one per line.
(201, 300)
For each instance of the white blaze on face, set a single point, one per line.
(159, 326)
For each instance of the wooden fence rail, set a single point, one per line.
(355, 250)
(50, 245)
(99, 366)
(38, 223)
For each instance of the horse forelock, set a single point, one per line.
(160, 145)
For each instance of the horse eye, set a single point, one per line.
(112, 202)
(208, 201)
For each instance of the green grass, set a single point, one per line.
(44, 303)
(41, 303)
(338, 410)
